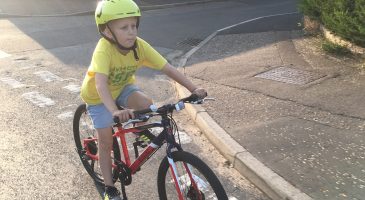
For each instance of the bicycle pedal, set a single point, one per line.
(92, 147)
(140, 143)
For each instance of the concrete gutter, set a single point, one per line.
(243, 161)
(91, 12)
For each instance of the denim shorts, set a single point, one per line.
(100, 115)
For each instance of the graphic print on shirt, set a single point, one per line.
(121, 75)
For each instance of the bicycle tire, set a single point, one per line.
(196, 166)
(89, 165)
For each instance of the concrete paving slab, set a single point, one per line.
(323, 161)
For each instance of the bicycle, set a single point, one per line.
(189, 177)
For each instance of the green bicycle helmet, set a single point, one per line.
(108, 10)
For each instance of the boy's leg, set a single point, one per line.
(138, 100)
(102, 121)
(132, 97)
(105, 145)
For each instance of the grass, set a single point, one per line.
(335, 49)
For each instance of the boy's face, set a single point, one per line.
(125, 30)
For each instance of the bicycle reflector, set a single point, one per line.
(179, 106)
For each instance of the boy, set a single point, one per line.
(110, 78)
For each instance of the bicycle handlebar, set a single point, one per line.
(140, 115)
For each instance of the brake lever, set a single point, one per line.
(209, 99)
(201, 101)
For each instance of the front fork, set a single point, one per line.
(171, 144)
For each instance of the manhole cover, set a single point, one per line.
(191, 42)
(290, 75)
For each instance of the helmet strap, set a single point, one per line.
(120, 46)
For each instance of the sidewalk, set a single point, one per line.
(19, 8)
(290, 118)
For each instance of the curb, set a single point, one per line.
(263, 177)
(143, 8)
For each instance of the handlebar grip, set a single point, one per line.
(191, 98)
(141, 112)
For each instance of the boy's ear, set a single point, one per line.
(107, 32)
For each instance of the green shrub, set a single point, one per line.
(346, 18)
(311, 8)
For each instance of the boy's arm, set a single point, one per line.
(101, 81)
(182, 80)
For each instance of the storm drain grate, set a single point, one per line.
(290, 75)
(191, 42)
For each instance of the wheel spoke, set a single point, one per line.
(86, 141)
(194, 176)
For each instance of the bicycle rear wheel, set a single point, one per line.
(196, 179)
(84, 131)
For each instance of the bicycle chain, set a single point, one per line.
(125, 175)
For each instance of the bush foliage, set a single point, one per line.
(346, 18)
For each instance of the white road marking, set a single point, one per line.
(48, 76)
(70, 79)
(3, 54)
(12, 82)
(212, 197)
(232, 198)
(38, 99)
(64, 116)
(156, 131)
(70, 105)
(73, 88)
(184, 137)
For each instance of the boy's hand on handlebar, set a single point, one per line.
(123, 115)
(201, 92)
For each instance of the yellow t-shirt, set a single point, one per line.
(119, 68)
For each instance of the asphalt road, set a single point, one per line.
(42, 63)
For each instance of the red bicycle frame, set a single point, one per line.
(147, 153)
(141, 159)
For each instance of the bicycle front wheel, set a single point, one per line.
(87, 145)
(194, 178)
